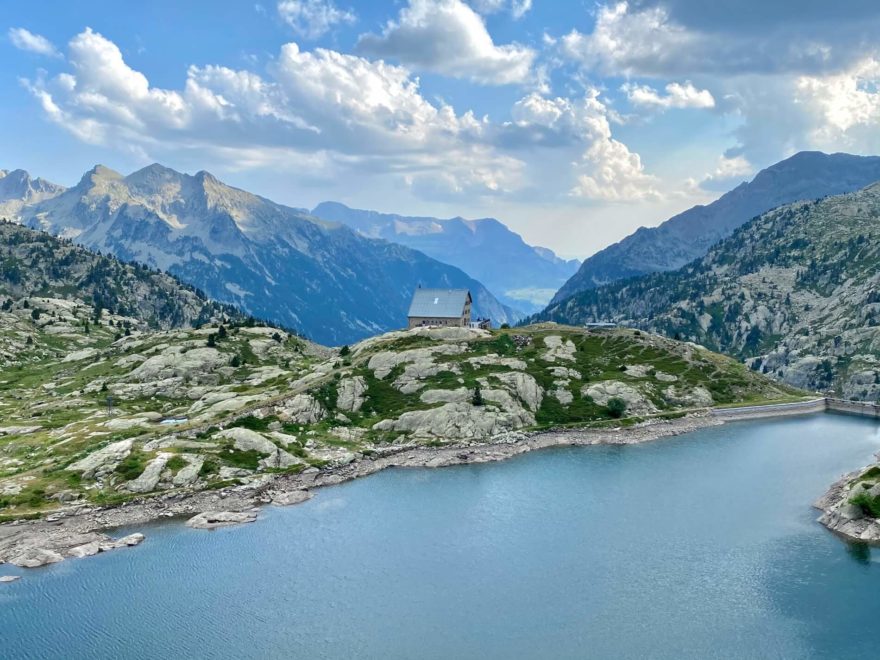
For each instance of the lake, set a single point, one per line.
(699, 546)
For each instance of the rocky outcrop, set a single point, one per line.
(149, 478)
(190, 472)
(215, 519)
(351, 393)
(247, 440)
(841, 511)
(636, 403)
(524, 386)
(36, 557)
(458, 421)
(558, 349)
(301, 409)
(102, 462)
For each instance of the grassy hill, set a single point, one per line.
(91, 416)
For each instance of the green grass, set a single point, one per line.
(869, 505)
(133, 465)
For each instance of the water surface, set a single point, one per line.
(700, 546)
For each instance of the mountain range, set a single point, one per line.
(794, 292)
(520, 275)
(272, 261)
(689, 235)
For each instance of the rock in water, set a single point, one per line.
(9, 578)
(34, 557)
(292, 497)
(214, 519)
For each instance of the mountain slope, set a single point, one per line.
(35, 265)
(270, 260)
(795, 291)
(687, 236)
(485, 249)
(17, 188)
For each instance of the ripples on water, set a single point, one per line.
(700, 546)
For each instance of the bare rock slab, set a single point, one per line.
(214, 519)
(35, 557)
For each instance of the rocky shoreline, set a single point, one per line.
(846, 519)
(81, 531)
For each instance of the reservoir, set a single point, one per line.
(700, 546)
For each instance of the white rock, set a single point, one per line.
(103, 461)
(214, 519)
(149, 478)
(9, 578)
(301, 409)
(558, 348)
(190, 472)
(636, 403)
(351, 393)
(524, 386)
(35, 557)
(291, 497)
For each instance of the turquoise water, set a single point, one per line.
(700, 546)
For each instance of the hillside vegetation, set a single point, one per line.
(794, 292)
(101, 418)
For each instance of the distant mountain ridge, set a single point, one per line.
(17, 188)
(270, 260)
(689, 235)
(795, 292)
(520, 275)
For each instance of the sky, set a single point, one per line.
(574, 122)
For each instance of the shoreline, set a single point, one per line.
(84, 530)
(81, 531)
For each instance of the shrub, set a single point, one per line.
(176, 463)
(869, 505)
(132, 466)
(345, 350)
(616, 407)
(477, 398)
(253, 423)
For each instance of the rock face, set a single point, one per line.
(351, 394)
(102, 462)
(841, 513)
(301, 409)
(215, 519)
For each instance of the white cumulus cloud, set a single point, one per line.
(677, 96)
(450, 38)
(35, 43)
(311, 19)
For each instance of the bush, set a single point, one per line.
(616, 407)
(477, 398)
(869, 505)
(345, 350)
(253, 423)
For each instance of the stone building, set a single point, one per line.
(444, 307)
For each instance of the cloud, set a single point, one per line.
(33, 43)
(316, 109)
(842, 103)
(606, 170)
(729, 171)
(450, 38)
(677, 96)
(311, 19)
(646, 39)
(517, 8)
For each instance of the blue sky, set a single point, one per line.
(573, 122)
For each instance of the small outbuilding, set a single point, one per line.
(444, 307)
